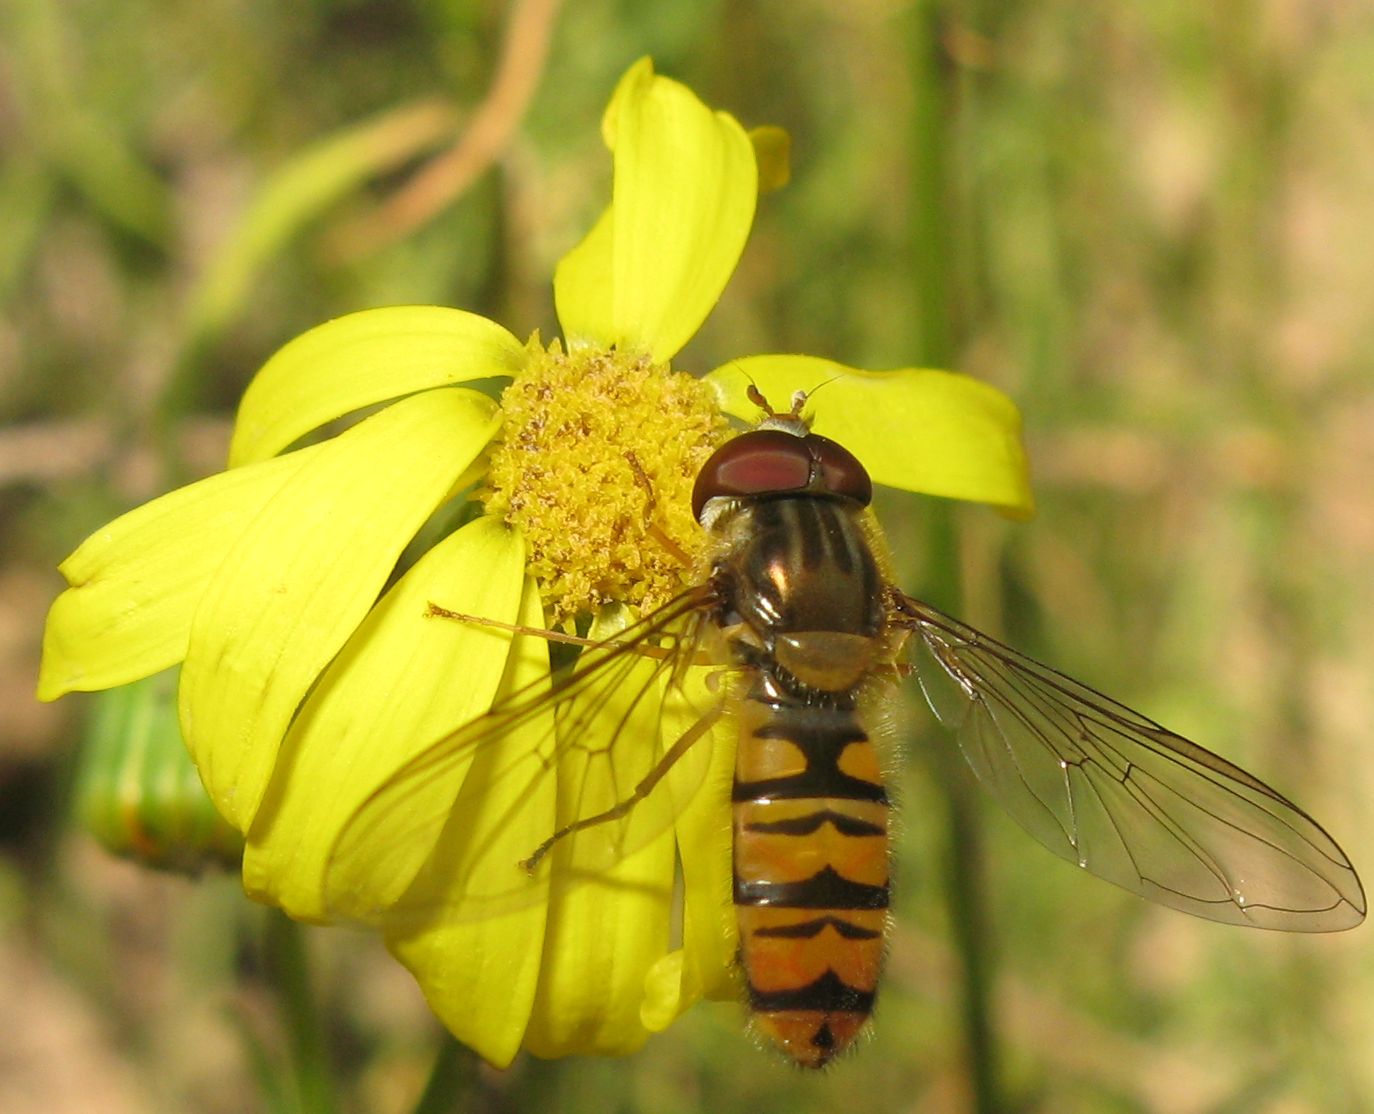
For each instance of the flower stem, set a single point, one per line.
(965, 891)
(289, 972)
(448, 1079)
(931, 221)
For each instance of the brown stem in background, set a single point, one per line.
(524, 51)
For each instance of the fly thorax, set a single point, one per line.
(803, 580)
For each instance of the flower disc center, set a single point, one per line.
(595, 465)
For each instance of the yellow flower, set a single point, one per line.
(293, 590)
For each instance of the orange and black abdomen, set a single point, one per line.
(804, 609)
(811, 867)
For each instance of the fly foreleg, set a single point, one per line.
(434, 611)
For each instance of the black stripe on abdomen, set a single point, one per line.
(821, 733)
(826, 889)
(806, 930)
(811, 823)
(827, 994)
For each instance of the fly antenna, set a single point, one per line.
(756, 397)
(752, 393)
(801, 398)
(789, 420)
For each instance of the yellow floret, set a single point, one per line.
(595, 465)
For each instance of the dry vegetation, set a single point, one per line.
(1156, 235)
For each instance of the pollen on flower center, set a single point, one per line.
(595, 464)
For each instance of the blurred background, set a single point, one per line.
(1150, 224)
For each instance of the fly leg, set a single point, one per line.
(643, 649)
(434, 611)
(646, 785)
(652, 528)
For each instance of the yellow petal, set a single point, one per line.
(581, 287)
(602, 939)
(479, 968)
(631, 84)
(685, 185)
(301, 578)
(402, 681)
(700, 785)
(935, 432)
(136, 583)
(360, 360)
(608, 925)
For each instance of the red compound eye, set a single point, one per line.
(841, 472)
(773, 462)
(761, 462)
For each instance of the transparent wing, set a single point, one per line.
(1124, 798)
(547, 756)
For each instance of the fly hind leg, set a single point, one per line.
(645, 786)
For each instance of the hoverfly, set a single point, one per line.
(800, 612)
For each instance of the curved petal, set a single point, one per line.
(935, 432)
(136, 583)
(583, 277)
(403, 680)
(683, 200)
(608, 927)
(303, 575)
(479, 975)
(360, 360)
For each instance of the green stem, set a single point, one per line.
(965, 892)
(930, 208)
(448, 1079)
(289, 972)
(931, 217)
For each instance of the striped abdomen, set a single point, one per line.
(811, 848)
(811, 867)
